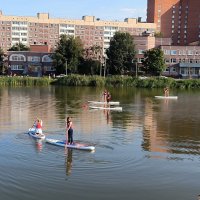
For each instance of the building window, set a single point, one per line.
(173, 60)
(33, 58)
(167, 52)
(190, 52)
(17, 67)
(46, 58)
(173, 52)
(17, 57)
(167, 61)
(140, 60)
(49, 68)
(140, 51)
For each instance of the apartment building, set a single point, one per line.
(45, 30)
(182, 60)
(178, 19)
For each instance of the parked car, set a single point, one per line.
(142, 77)
(60, 75)
(163, 76)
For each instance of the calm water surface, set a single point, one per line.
(150, 150)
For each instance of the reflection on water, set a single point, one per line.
(68, 161)
(38, 144)
(152, 145)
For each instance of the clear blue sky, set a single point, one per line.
(75, 9)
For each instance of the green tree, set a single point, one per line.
(121, 53)
(158, 35)
(89, 67)
(19, 47)
(92, 60)
(68, 52)
(1, 55)
(154, 61)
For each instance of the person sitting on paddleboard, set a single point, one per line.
(69, 131)
(39, 127)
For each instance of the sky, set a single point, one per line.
(75, 9)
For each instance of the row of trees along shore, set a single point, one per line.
(119, 58)
(85, 65)
(70, 56)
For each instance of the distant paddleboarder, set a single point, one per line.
(166, 91)
(105, 95)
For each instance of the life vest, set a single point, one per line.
(38, 125)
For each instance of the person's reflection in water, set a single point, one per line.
(68, 161)
(39, 145)
(108, 117)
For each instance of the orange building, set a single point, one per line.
(178, 19)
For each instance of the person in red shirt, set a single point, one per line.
(39, 127)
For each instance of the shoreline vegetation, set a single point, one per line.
(97, 81)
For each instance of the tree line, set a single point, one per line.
(70, 56)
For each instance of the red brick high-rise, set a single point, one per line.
(178, 19)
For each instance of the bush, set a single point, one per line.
(97, 81)
(24, 81)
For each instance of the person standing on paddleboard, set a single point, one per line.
(108, 98)
(166, 92)
(105, 95)
(69, 131)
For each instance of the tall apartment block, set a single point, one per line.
(178, 19)
(45, 30)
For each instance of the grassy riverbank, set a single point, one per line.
(24, 81)
(97, 81)
(127, 81)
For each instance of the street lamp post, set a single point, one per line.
(104, 74)
(136, 69)
(100, 61)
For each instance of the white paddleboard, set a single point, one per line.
(106, 108)
(62, 143)
(166, 97)
(32, 133)
(104, 103)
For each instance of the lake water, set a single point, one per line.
(150, 150)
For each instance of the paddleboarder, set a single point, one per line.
(166, 91)
(69, 131)
(105, 95)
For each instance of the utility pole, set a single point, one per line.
(136, 67)
(100, 59)
(66, 67)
